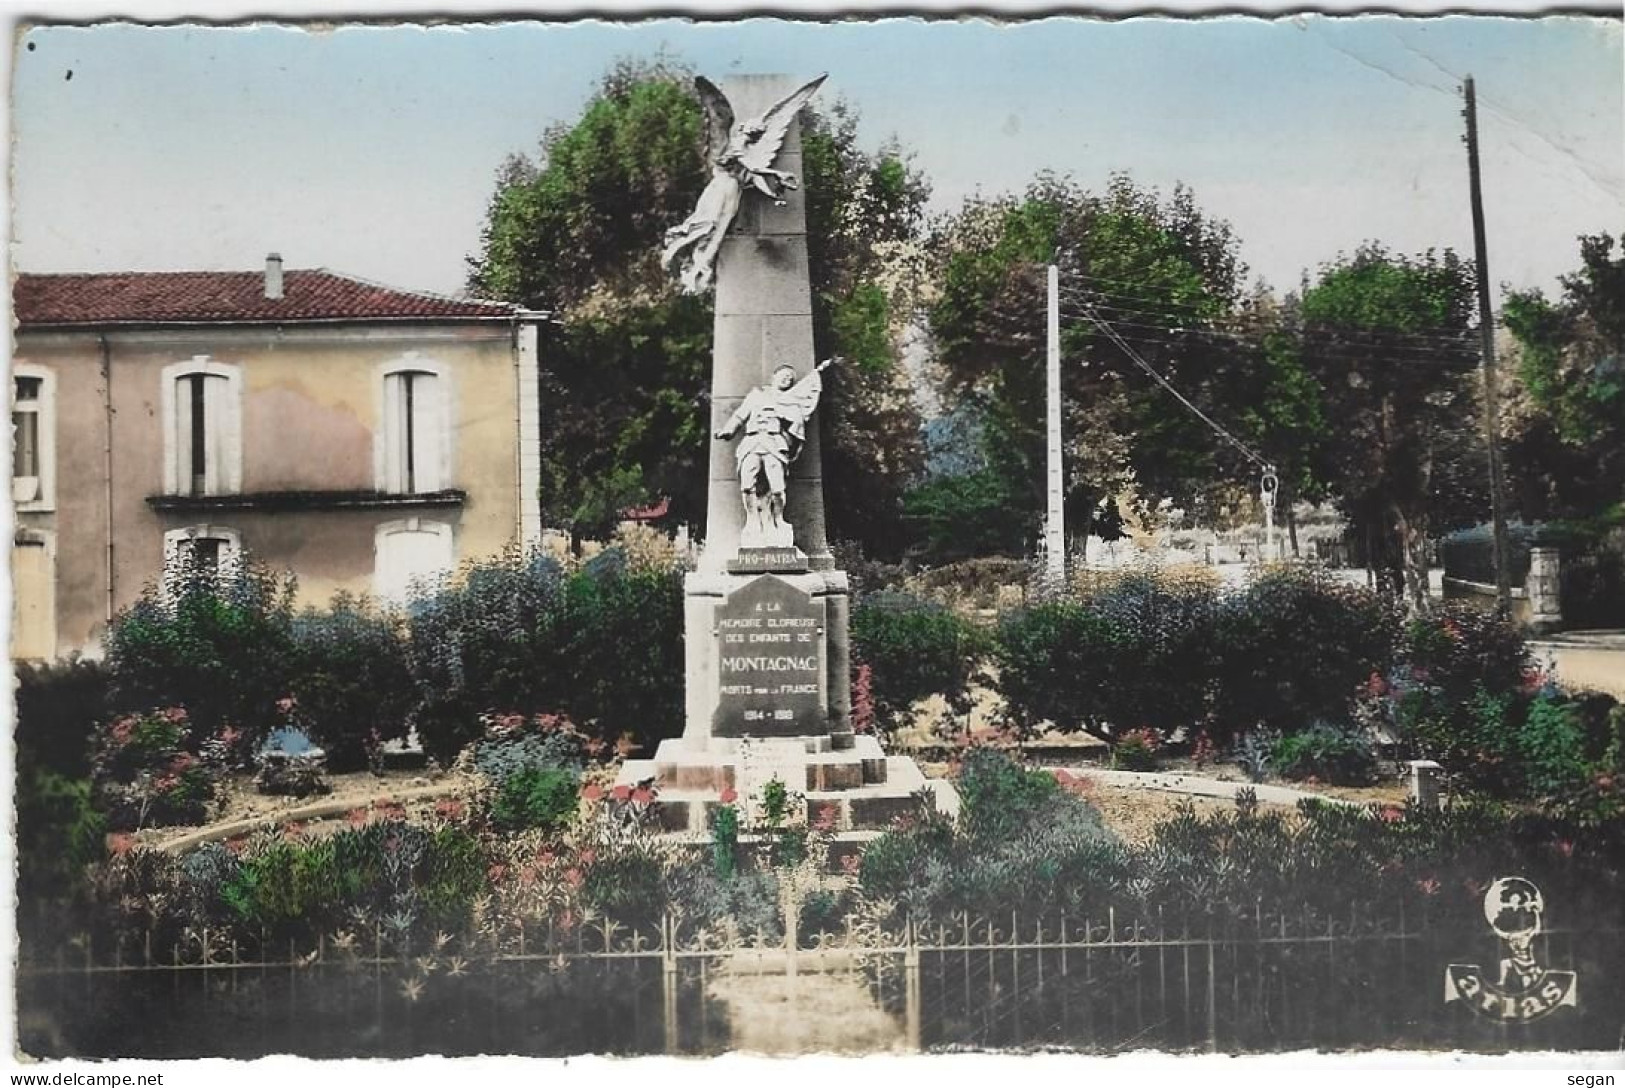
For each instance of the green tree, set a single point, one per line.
(1389, 340)
(1158, 271)
(1566, 451)
(626, 370)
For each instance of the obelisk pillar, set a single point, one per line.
(763, 321)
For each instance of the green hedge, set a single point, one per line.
(1146, 652)
(914, 649)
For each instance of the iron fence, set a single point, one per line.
(1266, 983)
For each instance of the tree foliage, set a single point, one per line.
(1158, 270)
(1388, 339)
(626, 371)
(1567, 447)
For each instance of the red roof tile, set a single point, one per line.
(156, 297)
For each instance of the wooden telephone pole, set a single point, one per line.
(1486, 332)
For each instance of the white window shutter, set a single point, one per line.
(180, 394)
(222, 472)
(394, 433)
(428, 432)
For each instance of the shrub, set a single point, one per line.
(627, 884)
(59, 833)
(1137, 750)
(1022, 844)
(538, 797)
(218, 645)
(914, 649)
(1134, 651)
(971, 583)
(1293, 647)
(620, 666)
(290, 776)
(1163, 668)
(603, 645)
(348, 671)
(1461, 650)
(1552, 746)
(58, 707)
(483, 642)
(408, 877)
(1054, 660)
(1337, 754)
(145, 772)
(1255, 754)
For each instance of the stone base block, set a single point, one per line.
(852, 793)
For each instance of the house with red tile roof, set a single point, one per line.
(360, 436)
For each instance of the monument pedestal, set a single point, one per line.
(769, 697)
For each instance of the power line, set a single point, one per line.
(1388, 336)
(1128, 350)
(1345, 352)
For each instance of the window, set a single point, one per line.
(33, 439)
(414, 436)
(202, 428)
(414, 550)
(206, 550)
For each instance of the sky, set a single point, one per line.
(372, 150)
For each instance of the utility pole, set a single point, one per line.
(1486, 333)
(1055, 514)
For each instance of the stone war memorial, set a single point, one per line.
(766, 613)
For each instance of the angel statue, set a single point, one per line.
(774, 420)
(740, 154)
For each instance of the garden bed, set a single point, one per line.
(244, 809)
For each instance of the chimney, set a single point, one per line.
(273, 275)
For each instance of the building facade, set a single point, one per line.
(356, 435)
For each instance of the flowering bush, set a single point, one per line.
(144, 774)
(535, 766)
(216, 643)
(1137, 750)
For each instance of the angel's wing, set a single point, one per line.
(771, 127)
(719, 117)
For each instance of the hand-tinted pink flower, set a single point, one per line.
(237, 845)
(293, 829)
(120, 843)
(851, 864)
(573, 877)
(496, 872)
(546, 858)
(729, 795)
(174, 715)
(1564, 847)
(621, 793)
(826, 818)
(357, 817)
(448, 808)
(1428, 886)
(1390, 814)
(592, 791)
(642, 795)
(588, 856)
